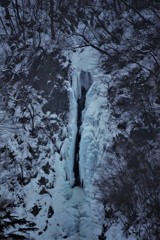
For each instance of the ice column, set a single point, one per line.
(80, 82)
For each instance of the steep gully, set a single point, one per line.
(80, 107)
(84, 81)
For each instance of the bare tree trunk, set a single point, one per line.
(52, 19)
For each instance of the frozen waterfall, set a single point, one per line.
(80, 82)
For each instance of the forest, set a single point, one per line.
(37, 41)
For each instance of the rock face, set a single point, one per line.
(49, 77)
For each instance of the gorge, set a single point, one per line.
(79, 120)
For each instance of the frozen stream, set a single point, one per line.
(80, 82)
(84, 64)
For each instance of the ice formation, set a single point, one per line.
(80, 82)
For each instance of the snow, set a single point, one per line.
(95, 131)
(86, 59)
(6, 126)
(93, 125)
(115, 233)
(75, 211)
(77, 214)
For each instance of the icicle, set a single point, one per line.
(80, 80)
(76, 83)
(90, 80)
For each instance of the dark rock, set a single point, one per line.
(35, 210)
(46, 168)
(50, 212)
(122, 125)
(43, 181)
